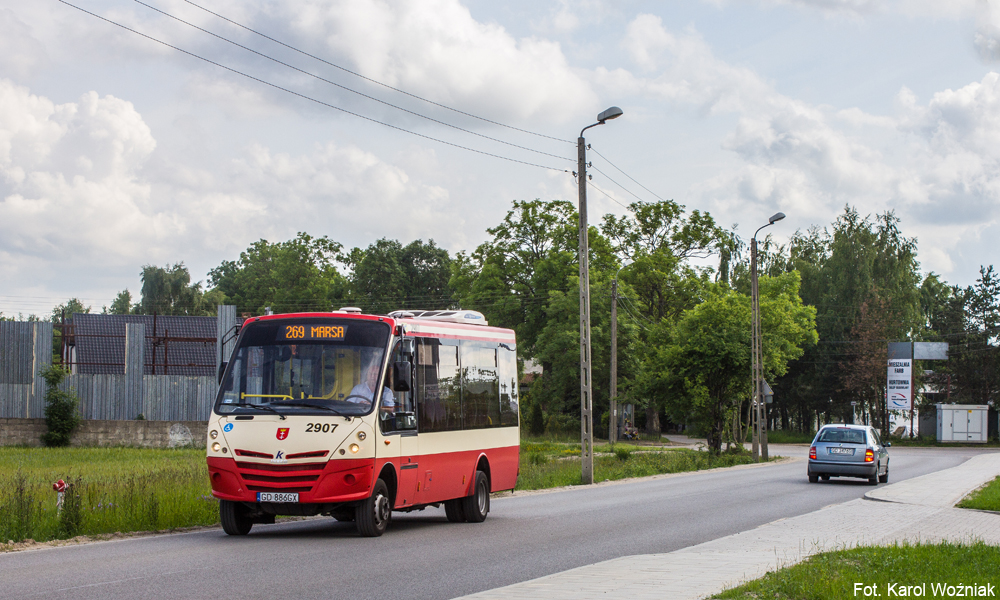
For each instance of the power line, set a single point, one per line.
(616, 183)
(626, 174)
(346, 70)
(344, 87)
(591, 184)
(305, 97)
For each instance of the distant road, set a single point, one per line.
(424, 556)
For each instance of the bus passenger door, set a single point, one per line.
(404, 419)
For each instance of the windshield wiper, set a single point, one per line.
(259, 407)
(320, 406)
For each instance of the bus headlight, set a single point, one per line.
(354, 448)
(213, 434)
(216, 447)
(362, 435)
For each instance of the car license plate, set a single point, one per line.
(842, 451)
(277, 496)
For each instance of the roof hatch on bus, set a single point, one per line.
(469, 317)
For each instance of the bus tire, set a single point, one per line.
(373, 514)
(234, 517)
(477, 506)
(454, 511)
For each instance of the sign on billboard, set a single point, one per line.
(899, 391)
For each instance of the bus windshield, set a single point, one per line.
(306, 364)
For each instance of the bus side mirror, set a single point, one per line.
(222, 370)
(401, 376)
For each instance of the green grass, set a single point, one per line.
(115, 490)
(624, 463)
(985, 498)
(136, 489)
(785, 436)
(833, 575)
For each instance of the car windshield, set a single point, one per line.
(844, 436)
(327, 365)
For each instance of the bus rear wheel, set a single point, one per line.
(477, 506)
(454, 511)
(373, 514)
(234, 517)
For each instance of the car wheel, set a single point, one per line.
(477, 506)
(873, 480)
(373, 514)
(884, 478)
(813, 478)
(234, 517)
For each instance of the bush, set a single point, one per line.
(623, 453)
(536, 420)
(563, 425)
(62, 416)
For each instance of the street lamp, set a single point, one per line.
(756, 360)
(586, 401)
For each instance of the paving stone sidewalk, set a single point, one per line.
(918, 509)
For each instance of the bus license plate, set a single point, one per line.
(277, 496)
(841, 450)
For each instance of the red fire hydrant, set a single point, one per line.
(60, 487)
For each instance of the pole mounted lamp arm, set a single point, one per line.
(774, 219)
(612, 113)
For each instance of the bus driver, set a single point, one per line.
(365, 391)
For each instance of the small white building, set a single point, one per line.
(962, 422)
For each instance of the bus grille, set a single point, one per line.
(262, 477)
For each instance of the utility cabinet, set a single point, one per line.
(962, 422)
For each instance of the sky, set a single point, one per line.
(425, 119)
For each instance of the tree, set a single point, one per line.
(388, 276)
(297, 275)
(121, 305)
(970, 322)
(704, 360)
(68, 309)
(169, 291)
(61, 414)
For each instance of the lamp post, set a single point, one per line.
(756, 360)
(586, 400)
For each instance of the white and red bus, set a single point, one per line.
(354, 416)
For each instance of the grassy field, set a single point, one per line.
(546, 464)
(833, 575)
(134, 489)
(114, 490)
(985, 498)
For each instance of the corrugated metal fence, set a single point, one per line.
(26, 349)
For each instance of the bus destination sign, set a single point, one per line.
(311, 332)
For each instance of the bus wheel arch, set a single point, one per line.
(388, 475)
(484, 466)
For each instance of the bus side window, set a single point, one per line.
(438, 392)
(481, 400)
(508, 385)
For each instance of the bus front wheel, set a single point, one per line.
(373, 514)
(234, 517)
(454, 511)
(477, 506)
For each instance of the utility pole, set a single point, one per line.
(613, 429)
(586, 399)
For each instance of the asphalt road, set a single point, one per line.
(424, 556)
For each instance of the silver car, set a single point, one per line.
(848, 451)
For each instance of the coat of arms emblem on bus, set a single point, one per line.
(282, 433)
